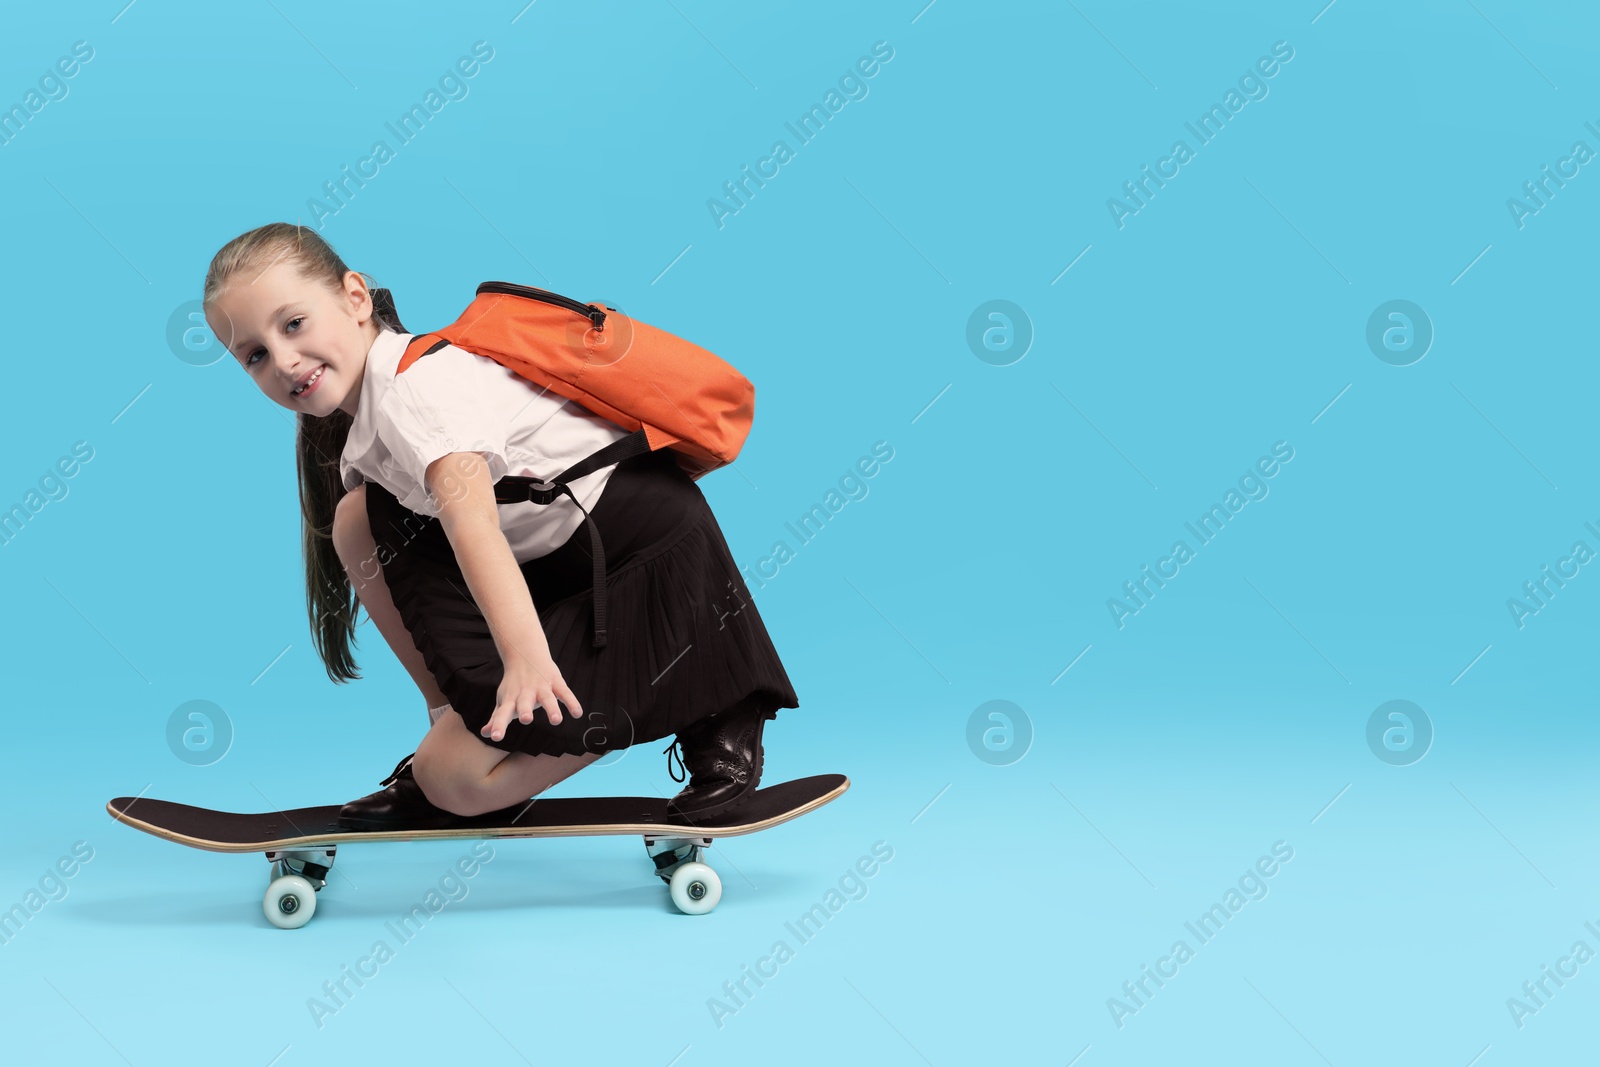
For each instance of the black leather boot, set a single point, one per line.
(402, 805)
(722, 755)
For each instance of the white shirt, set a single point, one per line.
(452, 400)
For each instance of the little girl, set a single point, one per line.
(488, 606)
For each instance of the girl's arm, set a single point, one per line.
(460, 483)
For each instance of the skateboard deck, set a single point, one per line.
(301, 842)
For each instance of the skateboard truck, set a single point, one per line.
(671, 852)
(306, 862)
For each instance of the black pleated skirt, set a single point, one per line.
(684, 638)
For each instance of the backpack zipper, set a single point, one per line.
(593, 314)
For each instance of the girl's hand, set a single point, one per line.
(459, 481)
(527, 684)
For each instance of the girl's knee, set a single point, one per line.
(450, 766)
(433, 770)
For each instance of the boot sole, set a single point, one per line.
(718, 809)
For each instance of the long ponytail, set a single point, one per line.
(319, 441)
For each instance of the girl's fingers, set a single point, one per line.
(495, 728)
(525, 705)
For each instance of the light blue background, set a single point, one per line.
(1228, 314)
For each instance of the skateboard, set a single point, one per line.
(300, 843)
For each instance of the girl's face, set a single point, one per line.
(303, 345)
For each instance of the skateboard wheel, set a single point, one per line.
(290, 902)
(695, 888)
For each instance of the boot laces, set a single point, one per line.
(675, 754)
(398, 767)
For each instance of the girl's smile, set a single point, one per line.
(309, 383)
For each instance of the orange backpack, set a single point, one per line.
(669, 392)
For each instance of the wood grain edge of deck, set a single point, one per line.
(479, 833)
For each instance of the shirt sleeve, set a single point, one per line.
(433, 409)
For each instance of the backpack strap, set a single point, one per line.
(515, 488)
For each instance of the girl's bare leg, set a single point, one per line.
(358, 551)
(455, 770)
(461, 774)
